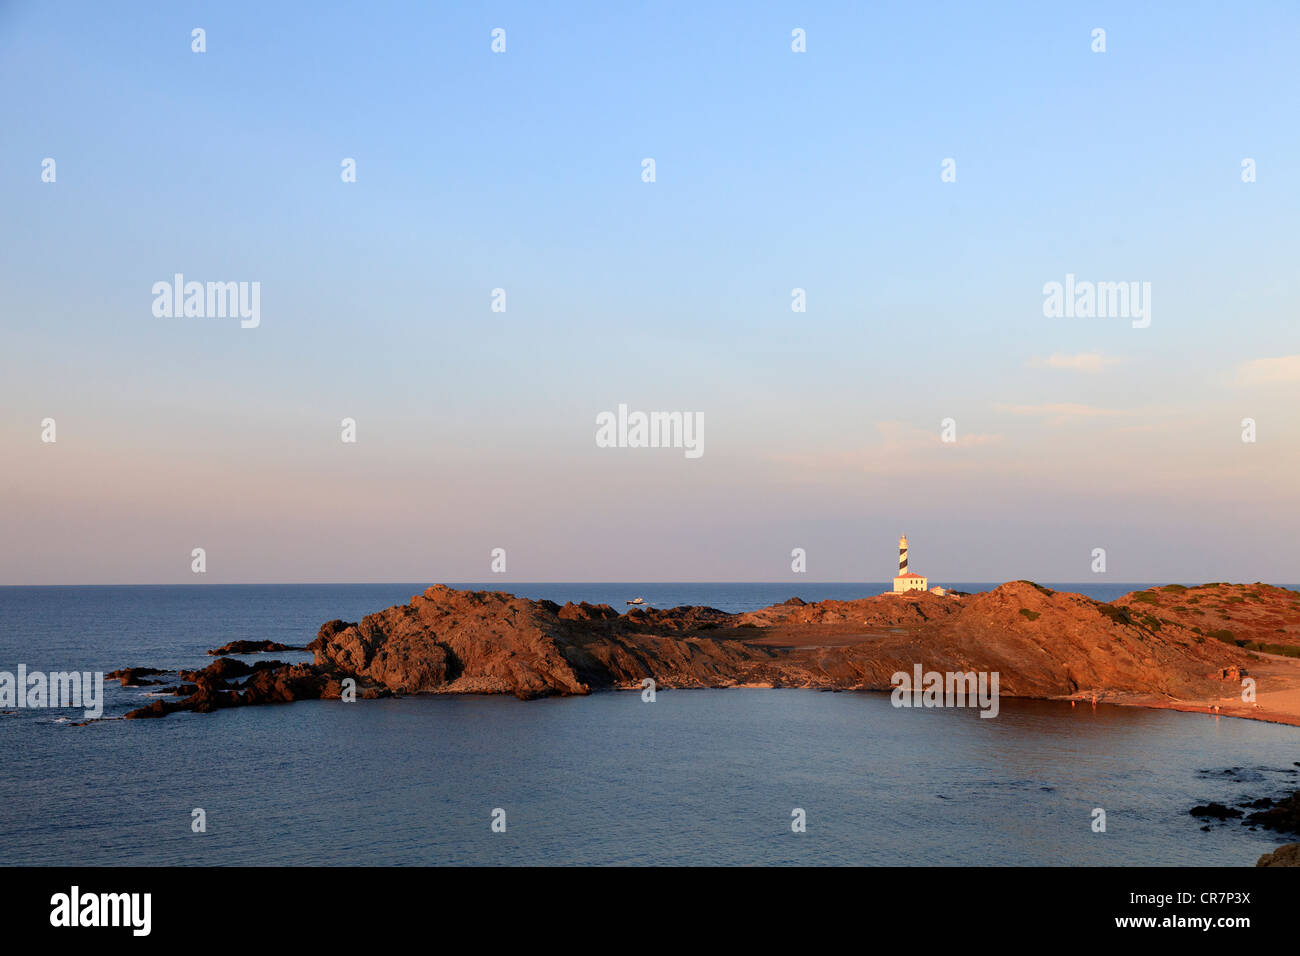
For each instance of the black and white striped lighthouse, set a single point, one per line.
(907, 580)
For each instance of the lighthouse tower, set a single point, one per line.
(906, 580)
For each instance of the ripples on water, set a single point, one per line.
(696, 777)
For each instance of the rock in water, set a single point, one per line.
(252, 647)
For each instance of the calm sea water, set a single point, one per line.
(696, 777)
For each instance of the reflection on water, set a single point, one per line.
(696, 777)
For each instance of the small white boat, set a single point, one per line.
(637, 601)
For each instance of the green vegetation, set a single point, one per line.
(1176, 588)
(1146, 597)
(1034, 584)
(1117, 615)
(1286, 650)
(1032, 615)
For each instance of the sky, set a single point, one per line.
(774, 170)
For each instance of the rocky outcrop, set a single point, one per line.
(224, 668)
(1282, 816)
(677, 619)
(298, 682)
(1048, 643)
(252, 647)
(269, 683)
(882, 611)
(1257, 617)
(134, 676)
(1288, 854)
(460, 642)
(1041, 642)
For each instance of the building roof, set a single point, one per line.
(909, 574)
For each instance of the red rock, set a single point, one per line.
(1288, 854)
(156, 709)
(219, 669)
(1042, 643)
(134, 676)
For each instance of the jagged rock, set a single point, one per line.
(455, 641)
(1283, 816)
(1042, 643)
(1288, 854)
(220, 669)
(1215, 811)
(156, 709)
(299, 682)
(586, 612)
(676, 619)
(207, 699)
(224, 668)
(327, 631)
(134, 676)
(490, 642)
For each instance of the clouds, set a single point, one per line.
(1090, 362)
(1278, 370)
(1062, 413)
(1285, 369)
(899, 451)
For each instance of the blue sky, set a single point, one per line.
(521, 170)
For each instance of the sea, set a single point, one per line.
(696, 777)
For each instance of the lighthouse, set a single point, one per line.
(906, 580)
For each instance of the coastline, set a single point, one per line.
(1146, 702)
(1151, 648)
(1275, 707)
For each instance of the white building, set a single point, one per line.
(907, 580)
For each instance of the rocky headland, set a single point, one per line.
(1176, 647)
(1185, 648)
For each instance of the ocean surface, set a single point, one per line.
(697, 777)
